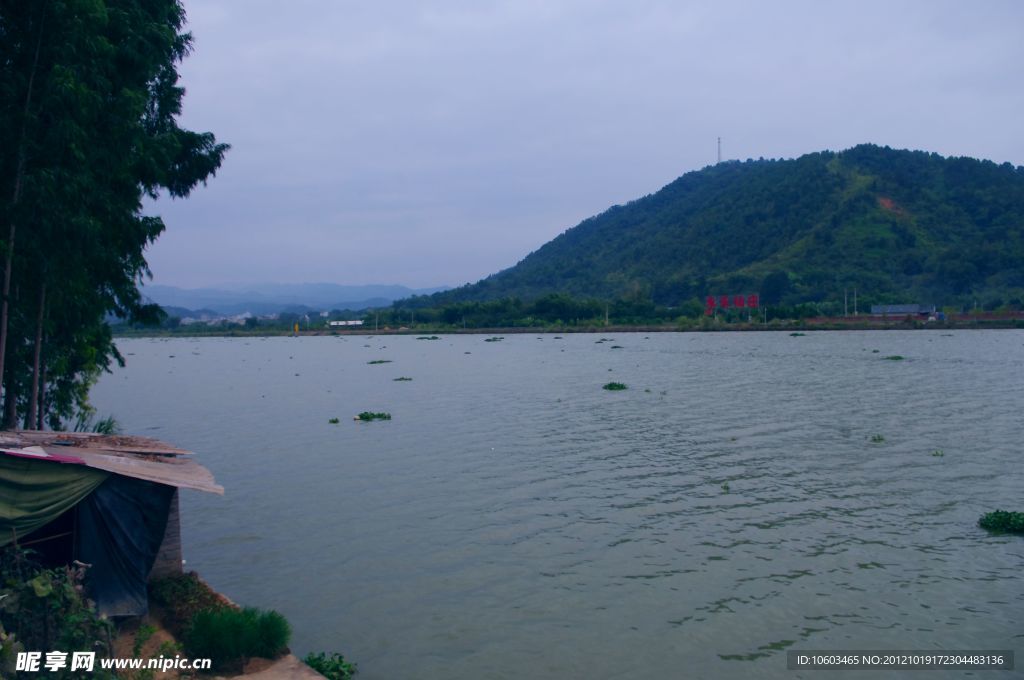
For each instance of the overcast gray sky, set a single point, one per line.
(435, 142)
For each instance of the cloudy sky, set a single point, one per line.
(432, 143)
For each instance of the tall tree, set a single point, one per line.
(88, 109)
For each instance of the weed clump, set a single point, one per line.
(614, 386)
(877, 439)
(333, 421)
(1002, 521)
(402, 379)
(494, 339)
(428, 337)
(333, 667)
(893, 357)
(379, 361)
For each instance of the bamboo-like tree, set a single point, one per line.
(88, 107)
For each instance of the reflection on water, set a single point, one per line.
(516, 520)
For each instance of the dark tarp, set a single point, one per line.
(35, 492)
(120, 528)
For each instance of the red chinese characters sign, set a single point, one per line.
(726, 301)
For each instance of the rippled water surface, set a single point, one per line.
(515, 520)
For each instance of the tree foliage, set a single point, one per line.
(88, 106)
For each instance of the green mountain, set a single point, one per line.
(899, 226)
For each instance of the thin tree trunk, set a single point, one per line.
(42, 397)
(10, 407)
(18, 177)
(33, 402)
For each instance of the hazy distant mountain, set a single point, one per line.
(270, 298)
(896, 225)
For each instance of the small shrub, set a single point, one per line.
(1001, 521)
(333, 667)
(181, 598)
(229, 636)
(369, 415)
(613, 386)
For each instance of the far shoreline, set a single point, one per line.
(705, 325)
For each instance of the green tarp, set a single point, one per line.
(35, 492)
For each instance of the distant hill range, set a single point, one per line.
(269, 298)
(899, 226)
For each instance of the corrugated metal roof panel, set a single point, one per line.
(130, 456)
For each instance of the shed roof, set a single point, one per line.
(129, 456)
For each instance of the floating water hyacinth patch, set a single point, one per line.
(334, 421)
(1001, 521)
(428, 337)
(369, 415)
(494, 339)
(402, 379)
(614, 386)
(877, 439)
(893, 357)
(379, 361)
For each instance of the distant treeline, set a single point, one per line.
(554, 311)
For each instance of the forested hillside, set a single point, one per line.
(899, 226)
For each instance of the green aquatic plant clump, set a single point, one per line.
(494, 339)
(797, 335)
(893, 357)
(1002, 521)
(370, 415)
(877, 439)
(402, 379)
(614, 386)
(333, 667)
(379, 361)
(334, 421)
(428, 337)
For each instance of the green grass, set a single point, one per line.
(370, 415)
(1003, 522)
(230, 636)
(613, 386)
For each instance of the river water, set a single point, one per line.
(748, 494)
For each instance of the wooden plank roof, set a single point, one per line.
(127, 455)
